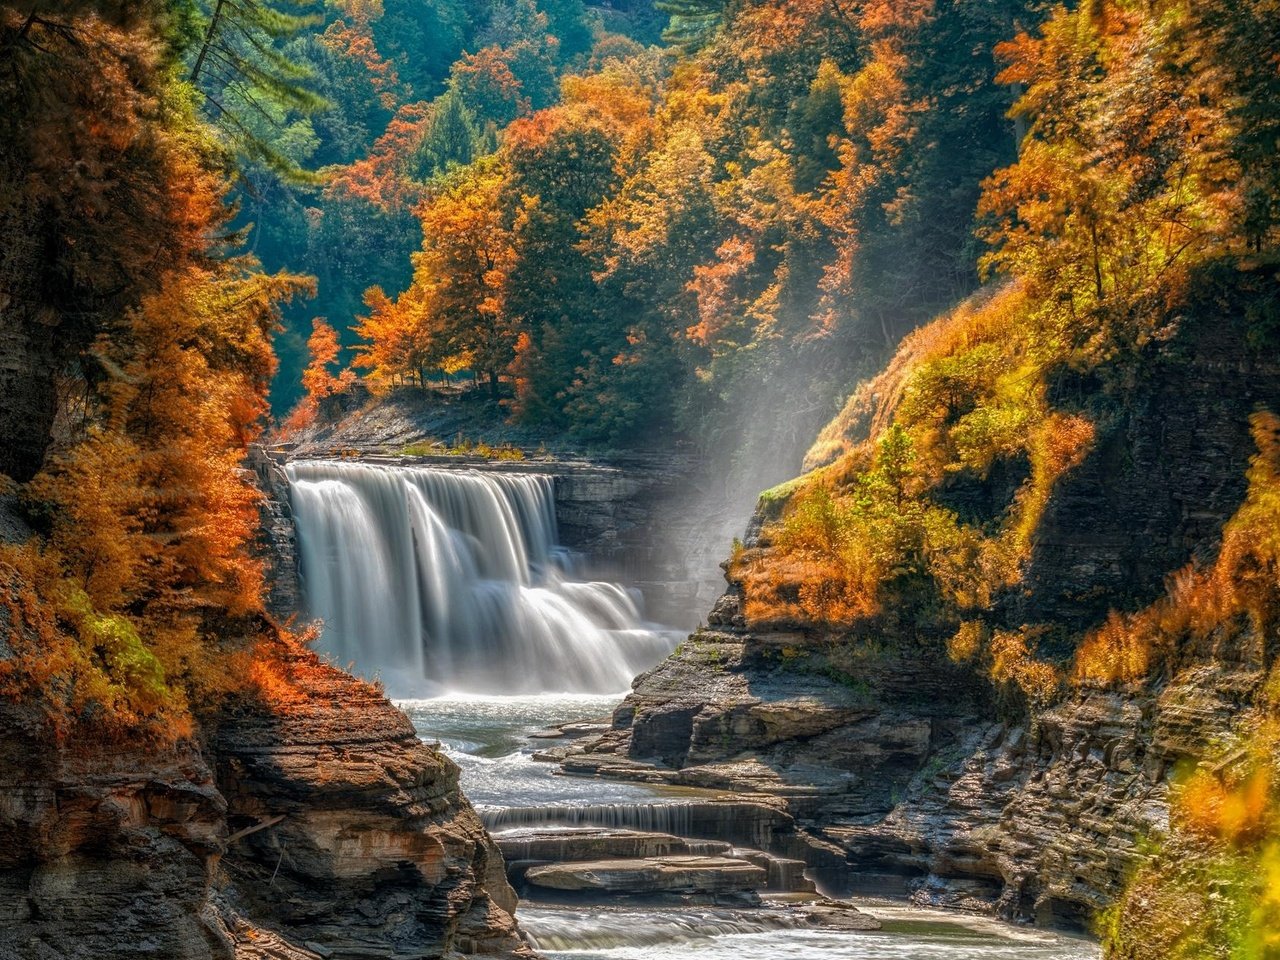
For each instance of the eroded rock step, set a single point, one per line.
(716, 879)
(715, 867)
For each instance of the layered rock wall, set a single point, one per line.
(316, 827)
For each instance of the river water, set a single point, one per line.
(490, 739)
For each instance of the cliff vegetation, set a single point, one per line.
(1133, 240)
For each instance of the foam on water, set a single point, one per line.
(488, 737)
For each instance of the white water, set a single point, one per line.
(451, 580)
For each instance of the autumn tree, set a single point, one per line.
(1107, 197)
(319, 379)
(467, 255)
(1235, 49)
(84, 90)
(125, 301)
(560, 165)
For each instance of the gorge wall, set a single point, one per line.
(919, 770)
(319, 827)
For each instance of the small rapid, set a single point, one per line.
(451, 580)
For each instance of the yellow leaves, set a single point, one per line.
(1236, 811)
(100, 513)
(967, 642)
(1013, 661)
(621, 101)
(1118, 651)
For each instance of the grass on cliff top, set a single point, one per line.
(463, 447)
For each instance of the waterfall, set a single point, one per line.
(451, 580)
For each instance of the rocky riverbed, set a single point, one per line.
(613, 868)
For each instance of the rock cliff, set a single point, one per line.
(321, 827)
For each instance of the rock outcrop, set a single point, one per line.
(319, 827)
(911, 781)
(277, 541)
(684, 876)
(353, 835)
(108, 852)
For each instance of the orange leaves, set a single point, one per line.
(718, 286)
(357, 43)
(1114, 187)
(323, 347)
(152, 515)
(1119, 651)
(99, 526)
(381, 178)
(621, 103)
(393, 333)
(454, 313)
(1022, 54)
(489, 86)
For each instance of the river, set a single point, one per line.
(490, 740)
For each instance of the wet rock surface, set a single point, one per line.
(568, 844)
(684, 875)
(891, 792)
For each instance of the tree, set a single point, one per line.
(452, 138)
(96, 204)
(1108, 195)
(324, 348)
(454, 315)
(247, 79)
(1235, 49)
(561, 164)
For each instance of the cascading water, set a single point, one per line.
(439, 579)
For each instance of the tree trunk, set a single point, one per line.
(28, 390)
(208, 40)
